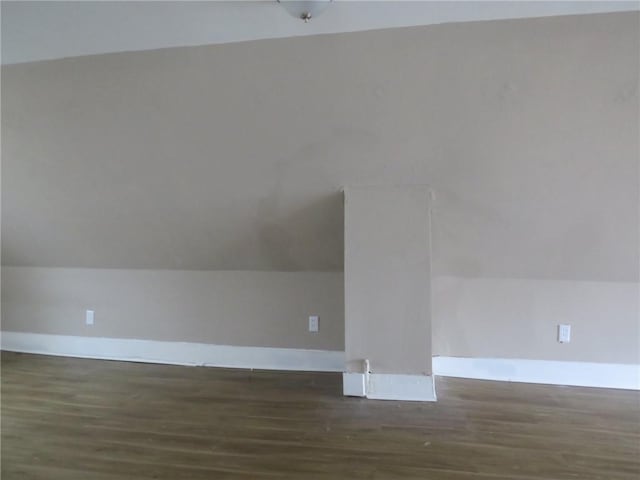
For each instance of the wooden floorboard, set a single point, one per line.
(65, 418)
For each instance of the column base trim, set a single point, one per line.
(384, 386)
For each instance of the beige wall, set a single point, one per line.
(231, 157)
(265, 309)
(387, 277)
(498, 318)
(518, 318)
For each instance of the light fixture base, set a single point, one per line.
(305, 10)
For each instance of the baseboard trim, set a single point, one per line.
(174, 353)
(581, 374)
(381, 386)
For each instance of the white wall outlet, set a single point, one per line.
(88, 319)
(564, 333)
(314, 323)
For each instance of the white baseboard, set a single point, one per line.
(175, 353)
(582, 374)
(381, 386)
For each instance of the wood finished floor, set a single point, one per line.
(71, 419)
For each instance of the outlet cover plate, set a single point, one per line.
(314, 323)
(564, 333)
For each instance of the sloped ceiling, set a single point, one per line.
(48, 30)
(233, 156)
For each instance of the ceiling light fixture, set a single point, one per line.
(305, 10)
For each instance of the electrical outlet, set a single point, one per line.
(88, 319)
(314, 323)
(564, 333)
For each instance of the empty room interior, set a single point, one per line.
(321, 239)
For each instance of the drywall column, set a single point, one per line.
(388, 293)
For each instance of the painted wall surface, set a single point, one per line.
(387, 276)
(496, 318)
(518, 318)
(262, 309)
(231, 157)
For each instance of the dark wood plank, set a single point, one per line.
(65, 418)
